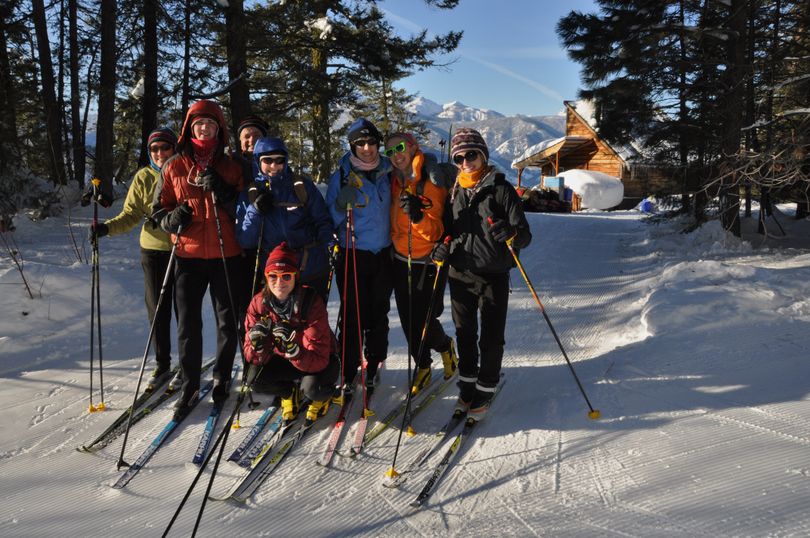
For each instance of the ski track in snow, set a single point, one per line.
(674, 425)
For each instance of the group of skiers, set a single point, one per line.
(392, 218)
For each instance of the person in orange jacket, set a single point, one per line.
(195, 200)
(418, 196)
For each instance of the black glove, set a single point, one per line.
(179, 217)
(284, 337)
(104, 200)
(264, 202)
(258, 335)
(209, 179)
(97, 230)
(441, 251)
(413, 206)
(501, 230)
(346, 198)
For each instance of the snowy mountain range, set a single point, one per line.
(506, 136)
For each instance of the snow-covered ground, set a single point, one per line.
(693, 347)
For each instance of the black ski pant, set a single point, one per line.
(193, 276)
(374, 288)
(279, 376)
(471, 293)
(422, 278)
(154, 264)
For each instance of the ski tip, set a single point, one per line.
(594, 414)
(416, 504)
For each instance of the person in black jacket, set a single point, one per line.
(484, 213)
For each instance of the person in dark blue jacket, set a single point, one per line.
(362, 183)
(284, 207)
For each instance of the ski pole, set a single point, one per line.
(253, 404)
(222, 438)
(258, 256)
(95, 306)
(333, 252)
(392, 472)
(593, 413)
(258, 248)
(345, 304)
(152, 326)
(220, 442)
(366, 412)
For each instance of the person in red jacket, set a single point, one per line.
(195, 200)
(288, 335)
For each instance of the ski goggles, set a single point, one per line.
(399, 148)
(286, 277)
(273, 160)
(470, 156)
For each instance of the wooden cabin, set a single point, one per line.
(581, 148)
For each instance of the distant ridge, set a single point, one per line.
(506, 136)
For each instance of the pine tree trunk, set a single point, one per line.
(9, 143)
(237, 61)
(321, 149)
(732, 112)
(105, 135)
(60, 94)
(53, 113)
(149, 101)
(76, 131)
(186, 90)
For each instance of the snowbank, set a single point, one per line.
(598, 190)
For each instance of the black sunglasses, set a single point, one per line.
(274, 160)
(154, 148)
(365, 142)
(470, 156)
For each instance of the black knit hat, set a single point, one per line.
(252, 121)
(362, 128)
(466, 139)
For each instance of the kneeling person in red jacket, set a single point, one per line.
(288, 334)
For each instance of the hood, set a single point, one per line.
(268, 145)
(204, 108)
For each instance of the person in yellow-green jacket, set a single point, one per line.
(156, 247)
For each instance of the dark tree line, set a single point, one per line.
(117, 69)
(719, 89)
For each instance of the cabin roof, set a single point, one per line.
(543, 152)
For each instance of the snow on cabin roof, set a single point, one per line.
(537, 148)
(585, 109)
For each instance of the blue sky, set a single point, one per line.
(510, 58)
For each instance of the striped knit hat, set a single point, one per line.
(162, 135)
(466, 139)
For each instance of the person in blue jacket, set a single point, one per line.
(362, 184)
(286, 207)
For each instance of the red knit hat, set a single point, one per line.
(282, 260)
